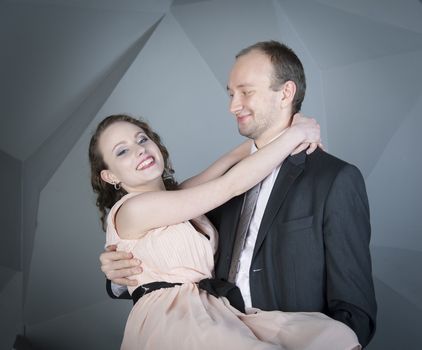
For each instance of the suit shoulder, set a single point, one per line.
(320, 157)
(323, 162)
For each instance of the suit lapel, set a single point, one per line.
(289, 171)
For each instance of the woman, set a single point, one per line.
(178, 306)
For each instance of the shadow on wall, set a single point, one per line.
(22, 343)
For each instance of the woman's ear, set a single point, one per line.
(288, 92)
(108, 176)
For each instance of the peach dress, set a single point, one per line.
(186, 317)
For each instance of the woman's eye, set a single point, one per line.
(142, 140)
(121, 152)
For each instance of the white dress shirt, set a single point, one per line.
(242, 278)
(117, 289)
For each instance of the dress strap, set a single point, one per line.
(216, 287)
(139, 292)
(222, 288)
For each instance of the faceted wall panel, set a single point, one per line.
(65, 65)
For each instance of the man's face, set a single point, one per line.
(256, 106)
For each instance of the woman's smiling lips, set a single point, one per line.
(146, 163)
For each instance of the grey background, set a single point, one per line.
(64, 65)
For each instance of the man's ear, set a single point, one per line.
(288, 92)
(108, 176)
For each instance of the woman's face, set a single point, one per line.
(132, 158)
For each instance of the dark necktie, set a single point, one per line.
(242, 229)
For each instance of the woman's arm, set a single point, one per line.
(149, 210)
(220, 166)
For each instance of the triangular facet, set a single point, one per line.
(42, 164)
(336, 38)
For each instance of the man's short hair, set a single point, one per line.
(286, 66)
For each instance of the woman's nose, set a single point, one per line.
(140, 150)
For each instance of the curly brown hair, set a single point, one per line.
(107, 196)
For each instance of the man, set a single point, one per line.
(307, 244)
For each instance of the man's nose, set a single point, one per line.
(235, 104)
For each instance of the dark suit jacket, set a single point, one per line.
(312, 249)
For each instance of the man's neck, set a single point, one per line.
(270, 134)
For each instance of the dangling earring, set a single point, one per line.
(116, 185)
(167, 174)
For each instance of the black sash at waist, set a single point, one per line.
(213, 286)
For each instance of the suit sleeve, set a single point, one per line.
(123, 295)
(214, 216)
(347, 230)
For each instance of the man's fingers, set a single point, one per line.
(125, 282)
(120, 264)
(110, 256)
(123, 273)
